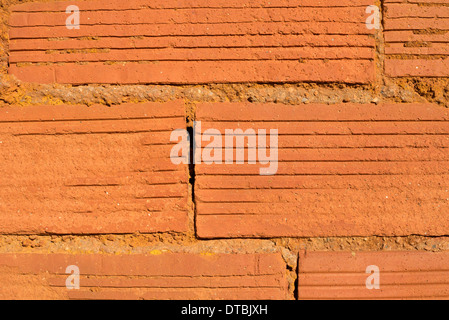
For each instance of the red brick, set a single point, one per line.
(423, 51)
(271, 28)
(269, 48)
(344, 170)
(197, 54)
(227, 41)
(415, 11)
(416, 24)
(186, 4)
(83, 170)
(354, 71)
(161, 276)
(403, 275)
(417, 68)
(320, 112)
(434, 49)
(192, 16)
(408, 36)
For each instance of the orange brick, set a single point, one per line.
(343, 170)
(276, 41)
(424, 53)
(163, 276)
(403, 275)
(98, 169)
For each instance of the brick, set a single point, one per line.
(90, 170)
(228, 41)
(192, 16)
(417, 68)
(403, 275)
(199, 72)
(408, 36)
(411, 50)
(203, 54)
(415, 11)
(343, 170)
(319, 112)
(272, 28)
(164, 276)
(416, 24)
(435, 49)
(184, 4)
(276, 41)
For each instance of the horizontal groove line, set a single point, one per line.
(172, 287)
(343, 147)
(383, 272)
(361, 23)
(415, 18)
(87, 133)
(349, 188)
(344, 286)
(350, 135)
(413, 29)
(312, 174)
(278, 215)
(427, 41)
(174, 48)
(189, 23)
(200, 60)
(349, 161)
(376, 297)
(194, 8)
(153, 171)
(151, 277)
(205, 119)
(194, 35)
(166, 197)
(143, 185)
(353, 174)
(92, 120)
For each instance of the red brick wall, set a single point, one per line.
(86, 122)
(194, 42)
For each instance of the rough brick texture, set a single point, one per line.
(193, 42)
(403, 275)
(344, 170)
(417, 38)
(161, 277)
(78, 169)
(361, 178)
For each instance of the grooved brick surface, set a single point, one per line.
(193, 42)
(343, 170)
(417, 38)
(80, 170)
(403, 275)
(164, 276)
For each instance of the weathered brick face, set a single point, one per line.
(80, 170)
(417, 42)
(402, 275)
(344, 170)
(136, 277)
(356, 91)
(193, 42)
